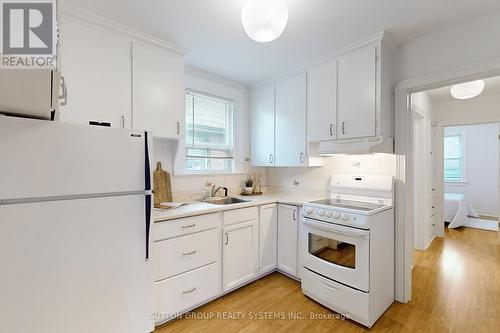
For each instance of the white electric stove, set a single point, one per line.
(347, 247)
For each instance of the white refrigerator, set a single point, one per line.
(75, 215)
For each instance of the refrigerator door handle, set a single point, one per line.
(148, 223)
(147, 188)
(147, 168)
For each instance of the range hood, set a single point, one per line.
(377, 144)
(30, 93)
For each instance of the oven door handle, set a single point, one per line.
(330, 227)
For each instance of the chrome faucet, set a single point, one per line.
(216, 189)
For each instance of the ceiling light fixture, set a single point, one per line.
(264, 20)
(467, 90)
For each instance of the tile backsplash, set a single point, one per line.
(191, 187)
(311, 180)
(318, 178)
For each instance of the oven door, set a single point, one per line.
(337, 252)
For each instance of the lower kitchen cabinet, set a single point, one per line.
(185, 291)
(182, 254)
(268, 238)
(240, 249)
(288, 239)
(186, 264)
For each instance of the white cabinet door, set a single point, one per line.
(291, 121)
(96, 68)
(322, 102)
(268, 238)
(357, 94)
(288, 239)
(240, 253)
(262, 126)
(158, 91)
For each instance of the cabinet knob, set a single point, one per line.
(270, 158)
(343, 127)
(331, 129)
(178, 128)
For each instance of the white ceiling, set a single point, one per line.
(440, 95)
(212, 33)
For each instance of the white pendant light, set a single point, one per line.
(467, 90)
(264, 20)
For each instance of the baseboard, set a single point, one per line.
(430, 242)
(488, 217)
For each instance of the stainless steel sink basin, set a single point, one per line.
(223, 200)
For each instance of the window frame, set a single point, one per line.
(230, 148)
(463, 159)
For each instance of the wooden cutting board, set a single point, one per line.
(162, 186)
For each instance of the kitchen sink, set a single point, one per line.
(223, 200)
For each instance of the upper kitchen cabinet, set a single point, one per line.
(96, 70)
(322, 102)
(278, 126)
(158, 91)
(262, 126)
(357, 74)
(290, 136)
(364, 115)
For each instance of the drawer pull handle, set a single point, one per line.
(188, 226)
(189, 253)
(189, 291)
(327, 286)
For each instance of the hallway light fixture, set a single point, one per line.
(467, 90)
(264, 20)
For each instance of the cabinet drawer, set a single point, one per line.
(240, 215)
(344, 300)
(189, 225)
(181, 254)
(185, 291)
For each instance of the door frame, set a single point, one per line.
(404, 163)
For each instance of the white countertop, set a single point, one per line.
(199, 208)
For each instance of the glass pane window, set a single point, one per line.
(453, 158)
(332, 251)
(209, 133)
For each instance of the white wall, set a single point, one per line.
(482, 167)
(318, 179)
(190, 187)
(459, 45)
(482, 109)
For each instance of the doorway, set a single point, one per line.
(405, 164)
(464, 160)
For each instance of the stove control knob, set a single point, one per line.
(336, 215)
(308, 210)
(329, 214)
(321, 212)
(344, 217)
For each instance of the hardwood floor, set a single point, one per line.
(456, 289)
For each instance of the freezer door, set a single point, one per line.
(52, 159)
(75, 266)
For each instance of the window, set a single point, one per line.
(453, 158)
(209, 133)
